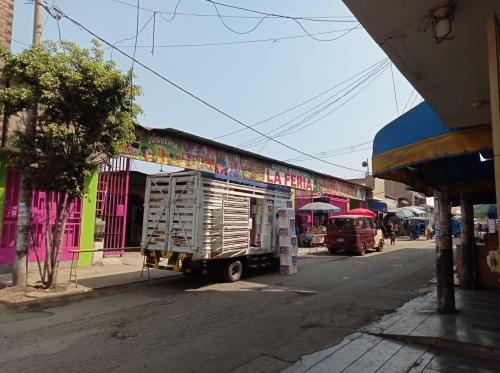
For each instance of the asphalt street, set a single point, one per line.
(263, 323)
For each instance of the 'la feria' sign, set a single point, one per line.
(288, 179)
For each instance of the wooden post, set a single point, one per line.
(444, 251)
(467, 247)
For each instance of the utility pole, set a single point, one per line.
(20, 270)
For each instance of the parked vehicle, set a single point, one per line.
(354, 234)
(196, 221)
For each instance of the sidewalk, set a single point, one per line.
(416, 338)
(106, 273)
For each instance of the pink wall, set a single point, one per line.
(302, 198)
(8, 240)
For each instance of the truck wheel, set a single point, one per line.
(332, 250)
(233, 271)
(380, 246)
(362, 250)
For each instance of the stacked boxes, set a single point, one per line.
(266, 223)
(287, 241)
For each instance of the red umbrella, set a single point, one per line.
(363, 212)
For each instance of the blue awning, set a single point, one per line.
(376, 205)
(420, 136)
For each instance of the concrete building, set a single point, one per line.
(393, 193)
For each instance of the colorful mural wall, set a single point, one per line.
(155, 146)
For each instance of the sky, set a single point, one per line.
(251, 81)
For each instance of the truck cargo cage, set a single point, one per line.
(199, 216)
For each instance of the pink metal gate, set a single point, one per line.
(112, 200)
(8, 240)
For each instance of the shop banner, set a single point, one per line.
(288, 179)
(339, 188)
(228, 164)
(154, 147)
(252, 169)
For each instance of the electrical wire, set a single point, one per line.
(394, 89)
(303, 102)
(135, 46)
(328, 102)
(236, 31)
(266, 15)
(409, 98)
(330, 156)
(137, 18)
(327, 153)
(187, 92)
(341, 18)
(297, 126)
(173, 15)
(414, 99)
(14, 40)
(277, 15)
(272, 40)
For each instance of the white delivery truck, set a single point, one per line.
(196, 221)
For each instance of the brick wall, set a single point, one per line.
(6, 17)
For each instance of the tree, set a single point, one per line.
(85, 115)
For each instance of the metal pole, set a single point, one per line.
(19, 270)
(444, 251)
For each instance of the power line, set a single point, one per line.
(236, 31)
(173, 15)
(394, 89)
(199, 99)
(349, 19)
(334, 151)
(295, 19)
(273, 132)
(409, 98)
(304, 102)
(330, 156)
(272, 40)
(274, 15)
(296, 127)
(266, 15)
(414, 99)
(375, 75)
(6, 37)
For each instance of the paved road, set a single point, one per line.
(263, 323)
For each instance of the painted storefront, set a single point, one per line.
(156, 146)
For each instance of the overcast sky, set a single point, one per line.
(251, 81)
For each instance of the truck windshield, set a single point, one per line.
(341, 223)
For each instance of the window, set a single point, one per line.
(340, 223)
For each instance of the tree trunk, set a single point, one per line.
(62, 215)
(48, 235)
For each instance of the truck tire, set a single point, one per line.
(233, 271)
(380, 246)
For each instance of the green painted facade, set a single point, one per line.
(3, 184)
(87, 225)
